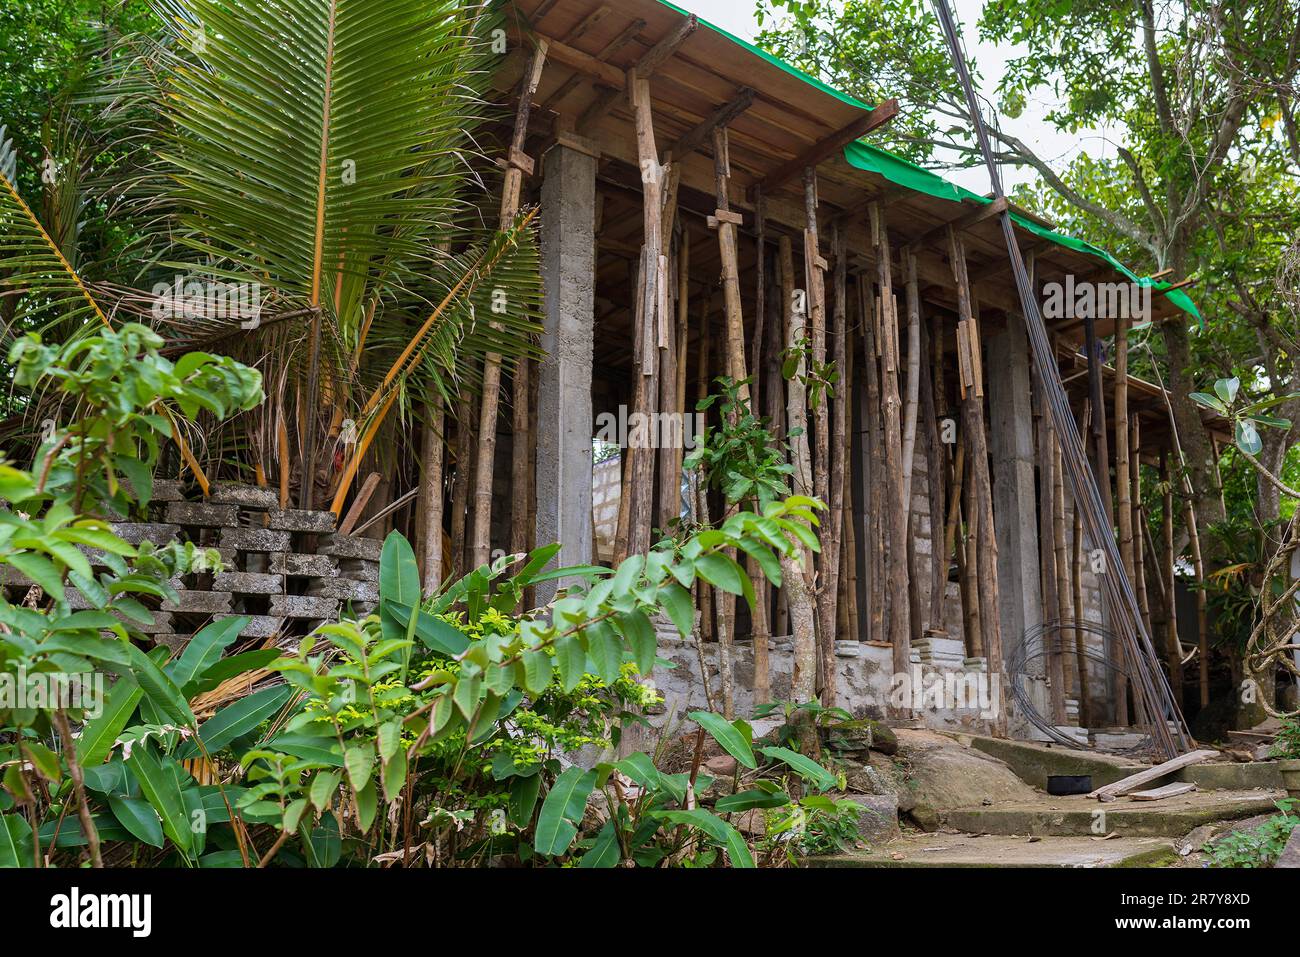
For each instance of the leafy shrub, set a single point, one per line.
(1287, 744)
(1258, 847)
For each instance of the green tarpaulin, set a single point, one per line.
(902, 173)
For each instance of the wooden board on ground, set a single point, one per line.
(1157, 794)
(1134, 781)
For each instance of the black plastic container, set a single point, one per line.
(1061, 784)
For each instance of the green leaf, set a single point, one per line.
(44, 761)
(159, 689)
(641, 636)
(367, 805)
(323, 787)
(605, 851)
(399, 574)
(99, 734)
(537, 671)
(204, 649)
(676, 601)
(434, 633)
(40, 570)
(731, 736)
(748, 800)
(721, 572)
(11, 853)
(138, 817)
(716, 828)
(562, 811)
(1248, 439)
(394, 777)
(605, 651)
(571, 661)
(523, 798)
(805, 766)
(319, 750)
(159, 784)
(359, 759)
(1226, 390)
(240, 718)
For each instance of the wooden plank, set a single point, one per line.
(1134, 781)
(826, 148)
(664, 50)
(971, 218)
(1159, 794)
(359, 504)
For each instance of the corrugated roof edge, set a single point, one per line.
(902, 173)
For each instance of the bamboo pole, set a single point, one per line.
(1124, 493)
(875, 438)
(489, 409)
(1173, 647)
(1047, 465)
(900, 624)
(1065, 609)
(1138, 522)
(977, 437)
(430, 505)
(796, 571)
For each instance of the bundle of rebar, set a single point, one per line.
(1153, 697)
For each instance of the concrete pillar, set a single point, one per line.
(564, 414)
(1015, 514)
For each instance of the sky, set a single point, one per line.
(737, 16)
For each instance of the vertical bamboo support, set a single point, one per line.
(650, 299)
(896, 504)
(1173, 648)
(978, 453)
(430, 510)
(1047, 480)
(460, 544)
(670, 357)
(875, 439)
(1138, 522)
(1124, 491)
(762, 628)
(936, 467)
(1065, 609)
(491, 398)
(1081, 636)
(797, 572)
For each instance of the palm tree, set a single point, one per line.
(316, 156)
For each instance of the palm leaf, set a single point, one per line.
(32, 267)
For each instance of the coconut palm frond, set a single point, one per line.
(32, 266)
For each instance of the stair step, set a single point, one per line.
(967, 850)
(1078, 815)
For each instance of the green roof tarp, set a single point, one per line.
(902, 173)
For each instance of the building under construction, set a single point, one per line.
(706, 211)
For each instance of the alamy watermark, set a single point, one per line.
(947, 691)
(53, 691)
(656, 430)
(191, 299)
(1075, 299)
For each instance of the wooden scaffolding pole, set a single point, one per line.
(517, 165)
(1124, 494)
(896, 504)
(977, 449)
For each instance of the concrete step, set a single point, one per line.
(1079, 815)
(1033, 763)
(968, 850)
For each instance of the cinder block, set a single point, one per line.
(176, 643)
(202, 602)
(249, 583)
(136, 532)
(304, 606)
(245, 496)
(162, 624)
(168, 490)
(262, 626)
(304, 566)
(346, 546)
(208, 514)
(299, 520)
(255, 539)
(359, 569)
(345, 589)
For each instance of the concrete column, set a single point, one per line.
(564, 414)
(1015, 515)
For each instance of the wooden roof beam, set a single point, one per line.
(868, 121)
(968, 219)
(651, 61)
(693, 139)
(628, 34)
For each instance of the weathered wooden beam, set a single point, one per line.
(585, 63)
(971, 218)
(629, 33)
(872, 119)
(1134, 781)
(694, 138)
(665, 49)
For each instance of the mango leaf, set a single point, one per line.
(562, 810)
(733, 739)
